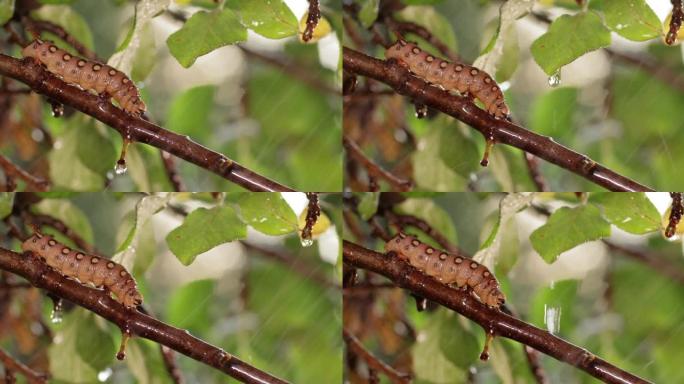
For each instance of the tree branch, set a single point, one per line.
(41, 81)
(373, 169)
(13, 365)
(354, 346)
(139, 324)
(401, 80)
(490, 319)
(13, 171)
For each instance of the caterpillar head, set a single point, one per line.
(401, 50)
(38, 243)
(132, 298)
(38, 48)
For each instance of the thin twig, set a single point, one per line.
(374, 169)
(171, 170)
(658, 263)
(312, 19)
(535, 173)
(33, 183)
(422, 225)
(500, 131)
(676, 212)
(169, 358)
(295, 264)
(14, 365)
(294, 69)
(355, 346)
(489, 318)
(37, 26)
(403, 27)
(60, 226)
(312, 213)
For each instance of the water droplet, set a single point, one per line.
(555, 79)
(306, 242)
(56, 316)
(104, 374)
(120, 167)
(552, 317)
(57, 312)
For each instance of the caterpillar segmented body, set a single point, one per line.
(451, 76)
(448, 268)
(87, 74)
(88, 269)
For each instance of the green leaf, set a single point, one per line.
(631, 212)
(268, 213)
(632, 19)
(189, 112)
(437, 356)
(568, 38)
(369, 12)
(203, 33)
(566, 228)
(458, 152)
(95, 150)
(434, 21)
(269, 18)
(553, 112)
(368, 204)
(94, 344)
(57, 1)
(189, 306)
(66, 363)
(6, 10)
(203, 230)
(6, 203)
(435, 174)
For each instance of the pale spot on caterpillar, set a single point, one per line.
(87, 75)
(463, 79)
(472, 275)
(87, 270)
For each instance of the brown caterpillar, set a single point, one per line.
(448, 268)
(87, 74)
(88, 269)
(451, 76)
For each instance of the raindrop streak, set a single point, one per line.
(57, 312)
(552, 317)
(555, 79)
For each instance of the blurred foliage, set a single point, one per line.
(603, 106)
(617, 307)
(257, 113)
(262, 310)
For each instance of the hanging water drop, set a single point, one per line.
(120, 167)
(306, 242)
(555, 79)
